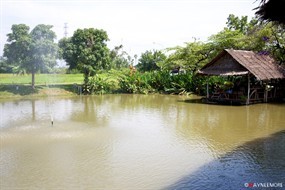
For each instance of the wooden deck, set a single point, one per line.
(257, 95)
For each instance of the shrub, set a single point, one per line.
(136, 83)
(99, 85)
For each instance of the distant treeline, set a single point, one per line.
(86, 52)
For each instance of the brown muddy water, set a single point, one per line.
(139, 142)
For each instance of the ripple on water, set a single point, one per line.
(131, 142)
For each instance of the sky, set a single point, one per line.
(139, 25)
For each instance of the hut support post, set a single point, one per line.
(248, 89)
(208, 88)
(266, 93)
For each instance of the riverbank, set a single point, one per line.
(109, 82)
(18, 86)
(26, 91)
(41, 79)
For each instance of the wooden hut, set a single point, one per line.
(264, 78)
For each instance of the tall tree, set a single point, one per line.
(239, 33)
(87, 51)
(17, 49)
(191, 57)
(264, 37)
(150, 60)
(234, 22)
(236, 34)
(32, 51)
(253, 35)
(227, 39)
(43, 50)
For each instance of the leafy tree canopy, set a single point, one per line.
(86, 50)
(31, 51)
(191, 57)
(150, 60)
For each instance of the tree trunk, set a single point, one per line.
(86, 80)
(33, 78)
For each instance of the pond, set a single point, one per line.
(139, 142)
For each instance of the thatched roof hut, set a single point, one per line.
(272, 10)
(239, 62)
(250, 64)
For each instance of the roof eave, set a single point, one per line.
(233, 73)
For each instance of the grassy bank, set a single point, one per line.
(19, 91)
(112, 81)
(41, 79)
(49, 84)
(46, 85)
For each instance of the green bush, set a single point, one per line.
(157, 81)
(136, 83)
(99, 85)
(164, 82)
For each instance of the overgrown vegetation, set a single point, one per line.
(151, 82)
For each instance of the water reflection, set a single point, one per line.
(225, 127)
(258, 161)
(126, 141)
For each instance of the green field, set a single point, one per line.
(12, 86)
(41, 79)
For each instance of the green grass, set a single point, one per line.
(41, 79)
(46, 84)
(12, 85)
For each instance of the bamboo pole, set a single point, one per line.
(266, 93)
(248, 89)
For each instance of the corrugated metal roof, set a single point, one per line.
(263, 67)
